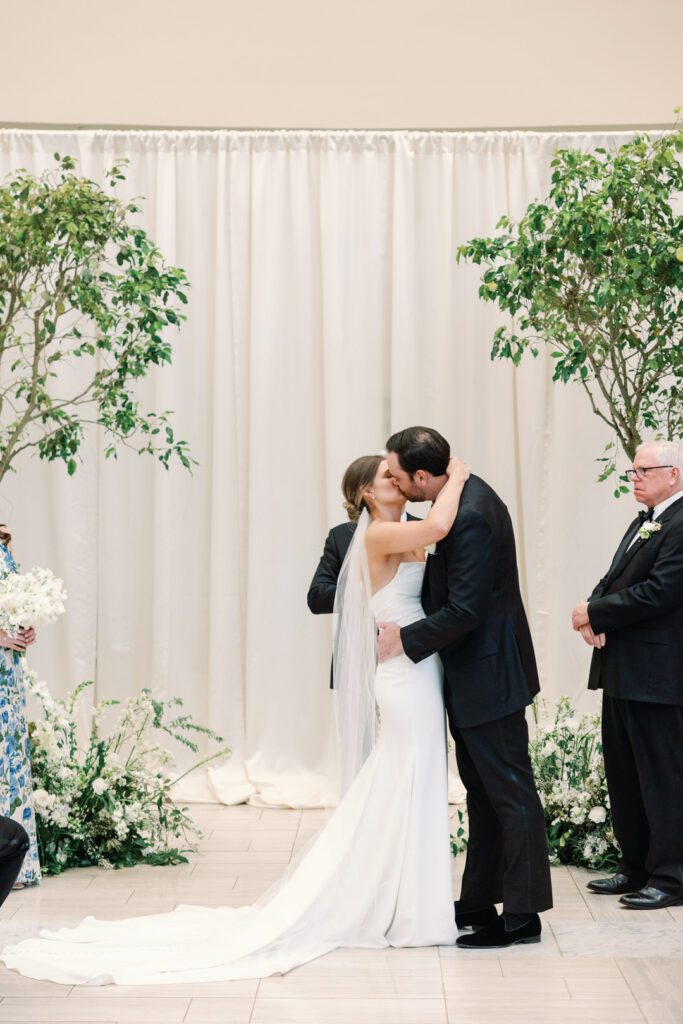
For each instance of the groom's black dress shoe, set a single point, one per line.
(650, 898)
(498, 936)
(483, 917)
(617, 885)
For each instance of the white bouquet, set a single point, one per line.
(30, 598)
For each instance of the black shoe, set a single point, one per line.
(649, 898)
(482, 918)
(497, 935)
(617, 885)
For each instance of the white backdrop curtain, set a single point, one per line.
(326, 311)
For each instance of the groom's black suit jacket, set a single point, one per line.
(639, 606)
(475, 615)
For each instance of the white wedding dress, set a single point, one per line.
(378, 874)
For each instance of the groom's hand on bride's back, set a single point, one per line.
(389, 643)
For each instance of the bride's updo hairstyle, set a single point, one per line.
(358, 477)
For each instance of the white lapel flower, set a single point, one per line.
(430, 549)
(648, 528)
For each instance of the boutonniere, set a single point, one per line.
(648, 528)
(430, 549)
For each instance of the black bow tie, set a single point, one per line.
(646, 515)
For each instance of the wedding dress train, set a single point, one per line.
(378, 874)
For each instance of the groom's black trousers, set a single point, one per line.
(507, 851)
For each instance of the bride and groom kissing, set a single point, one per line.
(453, 631)
(453, 640)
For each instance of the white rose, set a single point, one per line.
(61, 817)
(43, 802)
(99, 786)
(597, 814)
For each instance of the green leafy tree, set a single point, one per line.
(595, 271)
(80, 283)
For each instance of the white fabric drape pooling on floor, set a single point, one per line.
(326, 311)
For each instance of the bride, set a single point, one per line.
(379, 873)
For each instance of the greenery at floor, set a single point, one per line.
(107, 801)
(566, 756)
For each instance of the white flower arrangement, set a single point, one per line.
(108, 801)
(649, 527)
(29, 599)
(566, 755)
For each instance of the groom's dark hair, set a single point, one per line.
(420, 448)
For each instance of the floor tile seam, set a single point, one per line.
(296, 837)
(44, 999)
(635, 998)
(485, 960)
(556, 942)
(253, 1005)
(187, 1009)
(347, 999)
(443, 985)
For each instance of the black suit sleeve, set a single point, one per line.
(599, 587)
(660, 593)
(470, 553)
(324, 583)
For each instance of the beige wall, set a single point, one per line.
(341, 63)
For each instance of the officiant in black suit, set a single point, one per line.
(634, 621)
(477, 623)
(324, 583)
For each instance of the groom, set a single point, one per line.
(476, 622)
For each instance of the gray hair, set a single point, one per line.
(666, 453)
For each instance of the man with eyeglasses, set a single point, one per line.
(634, 621)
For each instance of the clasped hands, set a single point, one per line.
(24, 638)
(581, 623)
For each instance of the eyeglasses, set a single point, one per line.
(641, 472)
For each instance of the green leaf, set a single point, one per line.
(593, 272)
(58, 231)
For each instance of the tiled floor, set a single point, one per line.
(596, 962)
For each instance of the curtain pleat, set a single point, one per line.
(326, 311)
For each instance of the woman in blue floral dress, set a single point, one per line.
(16, 785)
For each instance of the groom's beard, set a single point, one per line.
(412, 495)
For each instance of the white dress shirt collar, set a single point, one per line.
(658, 509)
